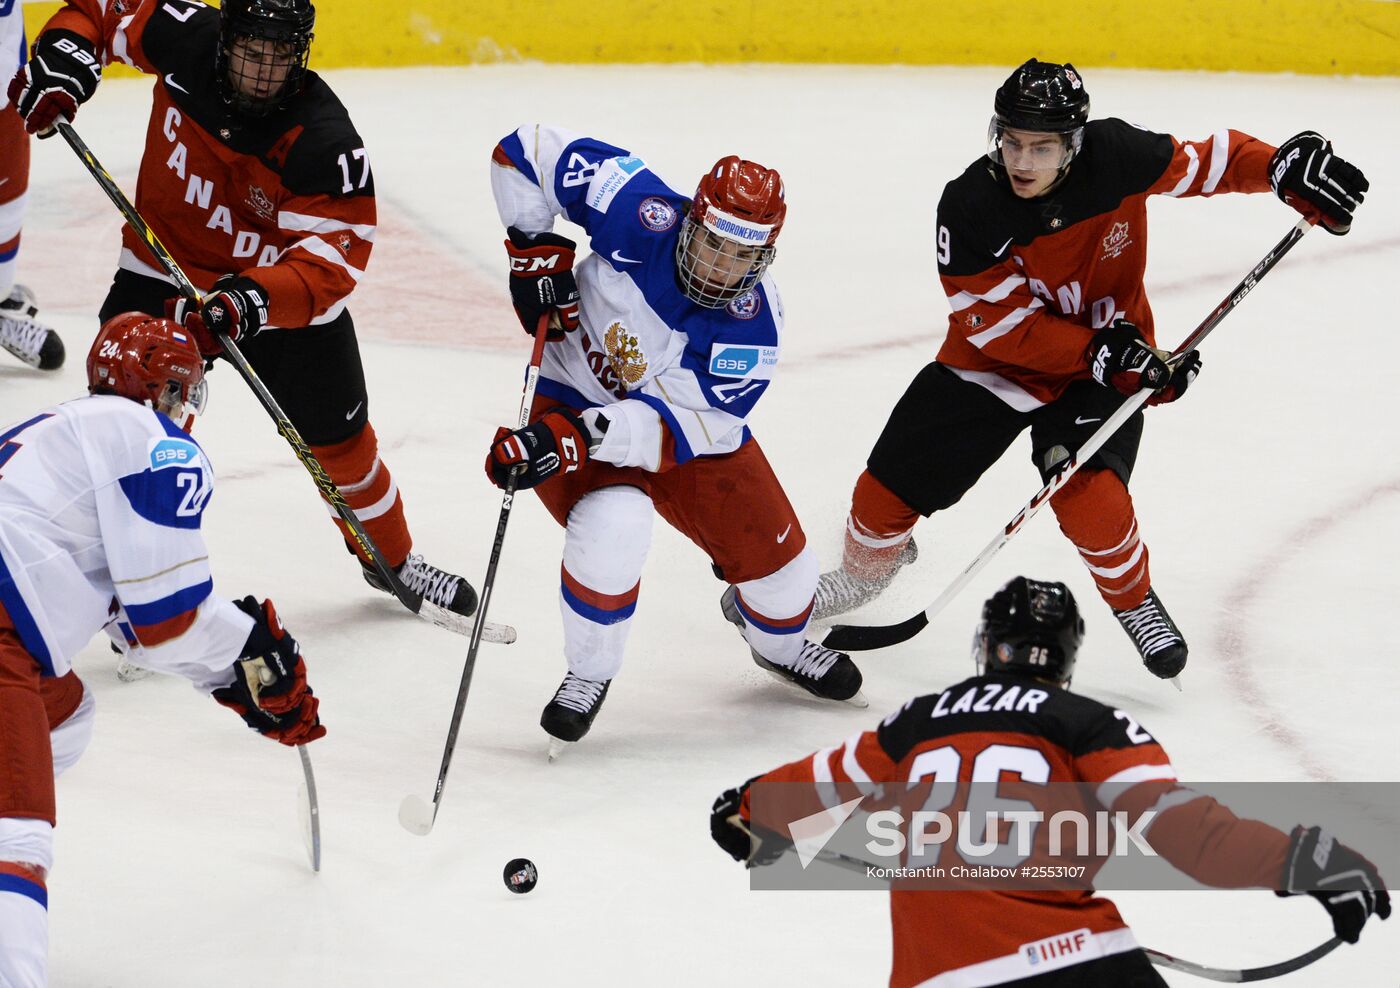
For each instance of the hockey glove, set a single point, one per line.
(1182, 375)
(542, 281)
(1119, 358)
(737, 837)
(1309, 177)
(236, 307)
(62, 74)
(1347, 885)
(269, 688)
(556, 442)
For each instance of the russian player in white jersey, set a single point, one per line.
(21, 333)
(664, 339)
(100, 506)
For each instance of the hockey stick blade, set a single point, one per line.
(416, 815)
(499, 634)
(865, 637)
(310, 808)
(1243, 975)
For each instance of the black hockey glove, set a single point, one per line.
(736, 837)
(1309, 177)
(236, 307)
(556, 442)
(1347, 885)
(542, 281)
(1184, 373)
(1119, 358)
(62, 73)
(269, 689)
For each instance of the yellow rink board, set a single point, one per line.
(1307, 36)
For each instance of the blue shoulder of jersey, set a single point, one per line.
(176, 483)
(733, 351)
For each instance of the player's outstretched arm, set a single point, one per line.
(268, 688)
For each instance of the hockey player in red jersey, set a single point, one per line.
(256, 180)
(1026, 647)
(101, 500)
(1041, 249)
(21, 333)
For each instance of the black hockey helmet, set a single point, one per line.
(284, 27)
(1045, 97)
(1030, 627)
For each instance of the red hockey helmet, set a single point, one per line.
(727, 239)
(150, 360)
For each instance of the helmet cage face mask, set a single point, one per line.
(715, 269)
(262, 42)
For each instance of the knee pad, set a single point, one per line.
(781, 597)
(607, 539)
(27, 842)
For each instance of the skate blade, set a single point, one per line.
(1176, 681)
(557, 747)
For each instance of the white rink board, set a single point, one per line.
(179, 858)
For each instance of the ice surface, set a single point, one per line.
(1269, 498)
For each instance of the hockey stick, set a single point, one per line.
(414, 601)
(1241, 975)
(1222, 974)
(310, 810)
(857, 638)
(415, 814)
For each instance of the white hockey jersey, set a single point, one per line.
(675, 380)
(100, 506)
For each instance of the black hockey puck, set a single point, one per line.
(521, 875)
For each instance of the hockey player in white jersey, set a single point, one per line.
(663, 341)
(100, 506)
(21, 333)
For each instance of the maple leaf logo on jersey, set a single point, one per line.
(625, 354)
(1116, 242)
(259, 202)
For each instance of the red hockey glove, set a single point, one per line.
(62, 73)
(1185, 372)
(269, 689)
(1309, 177)
(555, 442)
(236, 307)
(542, 281)
(1348, 886)
(1119, 358)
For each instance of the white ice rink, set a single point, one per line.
(1270, 499)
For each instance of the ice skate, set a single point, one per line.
(820, 671)
(23, 335)
(567, 717)
(839, 590)
(1156, 636)
(432, 584)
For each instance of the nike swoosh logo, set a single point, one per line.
(617, 256)
(3, 180)
(998, 252)
(1081, 420)
(351, 414)
(170, 81)
(783, 538)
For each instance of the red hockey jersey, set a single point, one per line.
(1019, 732)
(286, 199)
(1031, 280)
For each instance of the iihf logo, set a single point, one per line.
(656, 214)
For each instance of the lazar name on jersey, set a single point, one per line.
(685, 377)
(287, 198)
